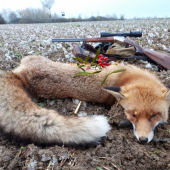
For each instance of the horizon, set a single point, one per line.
(130, 9)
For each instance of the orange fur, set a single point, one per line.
(142, 94)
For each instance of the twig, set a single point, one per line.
(48, 165)
(115, 166)
(106, 168)
(78, 106)
(62, 162)
(118, 102)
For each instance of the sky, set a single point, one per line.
(87, 8)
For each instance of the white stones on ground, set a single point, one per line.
(65, 51)
(59, 45)
(151, 35)
(64, 156)
(45, 158)
(54, 161)
(32, 164)
(82, 114)
(31, 52)
(164, 47)
(76, 101)
(149, 42)
(8, 57)
(148, 65)
(52, 103)
(70, 56)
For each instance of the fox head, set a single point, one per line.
(145, 107)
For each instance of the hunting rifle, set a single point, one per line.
(107, 39)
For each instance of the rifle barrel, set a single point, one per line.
(98, 39)
(69, 40)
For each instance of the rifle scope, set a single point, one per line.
(131, 34)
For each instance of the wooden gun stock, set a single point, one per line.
(100, 39)
(159, 58)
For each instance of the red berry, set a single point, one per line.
(102, 58)
(103, 66)
(100, 64)
(108, 64)
(104, 63)
(88, 68)
(105, 59)
(101, 55)
(99, 61)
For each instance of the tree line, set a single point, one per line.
(44, 15)
(40, 15)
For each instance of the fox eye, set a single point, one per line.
(134, 116)
(153, 116)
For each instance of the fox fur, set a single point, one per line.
(23, 120)
(143, 96)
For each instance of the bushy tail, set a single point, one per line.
(44, 126)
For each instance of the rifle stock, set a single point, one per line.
(159, 58)
(100, 39)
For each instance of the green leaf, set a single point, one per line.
(79, 66)
(40, 104)
(95, 72)
(104, 80)
(97, 167)
(78, 59)
(83, 69)
(82, 73)
(87, 58)
(97, 54)
(117, 71)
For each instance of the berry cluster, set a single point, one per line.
(102, 61)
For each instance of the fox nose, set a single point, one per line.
(143, 140)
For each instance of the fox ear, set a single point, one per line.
(115, 91)
(167, 95)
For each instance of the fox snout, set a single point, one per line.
(143, 140)
(144, 134)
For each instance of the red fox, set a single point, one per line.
(143, 96)
(23, 120)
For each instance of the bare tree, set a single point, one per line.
(122, 17)
(13, 18)
(2, 21)
(33, 15)
(48, 5)
(54, 17)
(114, 16)
(5, 14)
